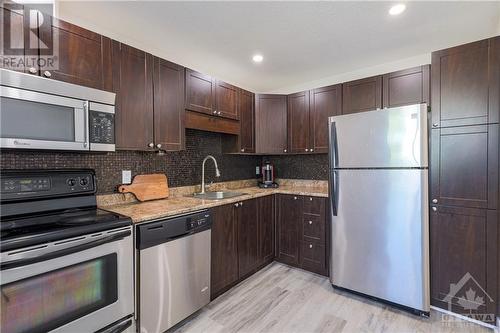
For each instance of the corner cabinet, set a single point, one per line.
(149, 101)
(270, 124)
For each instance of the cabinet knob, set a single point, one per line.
(32, 70)
(236, 205)
(151, 145)
(310, 222)
(219, 112)
(242, 150)
(241, 203)
(307, 149)
(310, 246)
(311, 150)
(434, 209)
(47, 74)
(434, 200)
(284, 150)
(435, 125)
(215, 112)
(158, 145)
(294, 198)
(311, 199)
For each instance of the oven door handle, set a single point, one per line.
(63, 252)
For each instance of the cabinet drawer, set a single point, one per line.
(312, 257)
(313, 228)
(314, 205)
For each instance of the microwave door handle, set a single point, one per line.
(86, 124)
(63, 252)
(118, 328)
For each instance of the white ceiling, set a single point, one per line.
(305, 44)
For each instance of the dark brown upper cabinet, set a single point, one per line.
(200, 92)
(84, 57)
(464, 166)
(298, 122)
(362, 95)
(168, 83)
(324, 103)
(133, 84)
(226, 100)
(16, 37)
(270, 124)
(464, 241)
(246, 102)
(465, 84)
(406, 87)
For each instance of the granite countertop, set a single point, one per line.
(181, 204)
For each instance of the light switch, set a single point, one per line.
(126, 176)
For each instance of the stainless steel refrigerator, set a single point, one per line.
(379, 205)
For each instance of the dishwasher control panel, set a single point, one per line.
(163, 231)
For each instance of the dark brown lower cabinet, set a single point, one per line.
(248, 236)
(224, 255)
(301, 232)
(266, 228)
(464, 260)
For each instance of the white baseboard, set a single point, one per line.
(495, 328)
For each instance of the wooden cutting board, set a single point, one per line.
(147, 187)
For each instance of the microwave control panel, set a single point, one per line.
(101, 127)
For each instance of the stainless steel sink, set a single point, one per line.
(217, 195)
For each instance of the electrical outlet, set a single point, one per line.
(257, 170)
(126, 176)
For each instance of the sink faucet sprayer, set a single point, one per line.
(217, 172)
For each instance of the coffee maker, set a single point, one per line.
(267, 171)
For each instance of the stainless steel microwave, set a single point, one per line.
(41, 113)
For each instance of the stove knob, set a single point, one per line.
(84, 181)
(71, 182)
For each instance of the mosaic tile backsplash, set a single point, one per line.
(182, 168)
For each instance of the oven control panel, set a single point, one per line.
(37, 184)
(101, 127)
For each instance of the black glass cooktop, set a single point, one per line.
(41, 228)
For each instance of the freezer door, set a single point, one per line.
(387, 138)
(380, 234)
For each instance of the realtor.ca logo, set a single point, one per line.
(470, 299)
(26, 37)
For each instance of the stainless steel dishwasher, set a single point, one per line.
(174, 270)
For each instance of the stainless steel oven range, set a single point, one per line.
(66, 266)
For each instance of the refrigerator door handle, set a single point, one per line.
(334, 190)
(333, 158)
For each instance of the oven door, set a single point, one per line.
(83, 284)
(33, 120)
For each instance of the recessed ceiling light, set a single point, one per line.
(397, 9)
(257, 58)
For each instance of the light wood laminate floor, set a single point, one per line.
(283, 299)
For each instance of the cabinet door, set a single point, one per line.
(247, 121)
(464, 258)
(406, 87)
(226, 100)
(289, 218)
(248, 237)
(464, 166)
(16, 38)
(298, 122)
(84, 57)
(266, 228)
(224, 254)
(325, 102)
(168, 82)
(465, 85)
(133, 84)
(362, 95)
(200, 92)
(270, 124)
